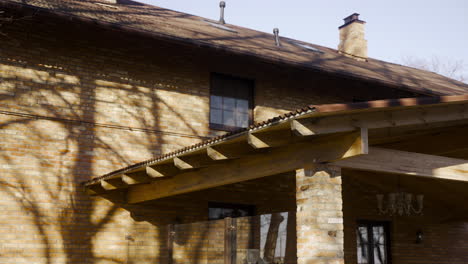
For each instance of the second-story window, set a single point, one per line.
(231, 102)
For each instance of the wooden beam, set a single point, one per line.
(231, 150)
(443, 142)
(215, 154)
(277, 160)
(136, 178)
(408, 163)
(130, 180)
(269, 138)
(302, 128)
(256, 142)
(195, 160)
(95, 189)
(183, 165)
(377, 119)
(113, 184)
(161, 170)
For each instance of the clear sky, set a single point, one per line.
(395, 28)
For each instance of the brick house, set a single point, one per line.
(130, 132)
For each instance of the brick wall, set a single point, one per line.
(444, 222)
(195, 238)
(319, 216)
(78, 101)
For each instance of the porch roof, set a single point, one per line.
(343, 127)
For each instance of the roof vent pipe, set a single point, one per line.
(222, 5)
(277, 40)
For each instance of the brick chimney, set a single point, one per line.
(352, 41)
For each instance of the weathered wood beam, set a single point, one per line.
(408, 163)
(161, 170)
(256, 142)
(443, 142)
(138, 177)
(193, 161)
(113, 184)
(215, 154)
(129, 180)
(181, 164)
(279, 160)
(95, 189)
(270, 138)
(378, 119)
(232, 150)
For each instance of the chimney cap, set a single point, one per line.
(352, 18)
(222, 4)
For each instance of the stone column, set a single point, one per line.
(319, 216)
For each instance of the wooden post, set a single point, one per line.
(170, 243)
(230, 240)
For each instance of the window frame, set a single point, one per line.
(369, 224)
(250, 208)
(251, 95)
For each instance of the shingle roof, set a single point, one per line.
(167, 24)
(308, 111)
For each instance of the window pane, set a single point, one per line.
(242, 120)
(233, 96)
(362, 245)
(379, 245)
(216, 116)
(229, 103)
(379, 234)
(362, 235)
(363, 255)
(228, 118)
(242, 105)
(379, 254)
(216, 102)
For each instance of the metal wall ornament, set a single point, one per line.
(400, 203)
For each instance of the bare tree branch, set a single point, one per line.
(455, 69)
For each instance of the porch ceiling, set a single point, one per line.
(316, 134)
(445, 201)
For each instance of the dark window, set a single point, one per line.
(222, 210)
(231, 102)
(373, 243)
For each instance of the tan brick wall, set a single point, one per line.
(352, 40)
(196, 238)
(77, 101)
(319, 219)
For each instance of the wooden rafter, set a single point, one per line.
(290, 144)
(278, 160)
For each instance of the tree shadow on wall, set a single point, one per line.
(57, 133)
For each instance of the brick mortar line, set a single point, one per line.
(31, 116)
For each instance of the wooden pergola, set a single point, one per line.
(419, 137)
(348, 136)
